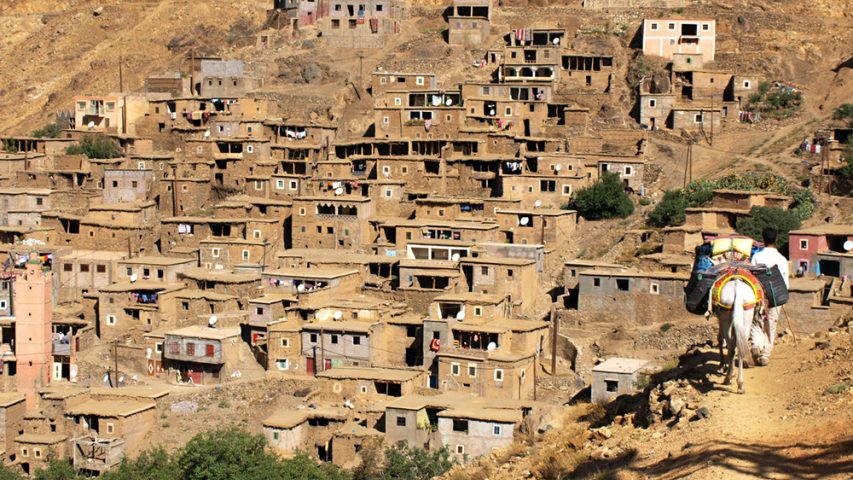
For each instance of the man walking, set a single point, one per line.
(763, 331)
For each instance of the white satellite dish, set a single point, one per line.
(90, 125)
(211, 322)
(133, 278)
(339, 191)
(339, 314)
(207, 134)
(455, 257)
(556, 41)
(448, 102)
(491, 346)
(492, 111)
(537, 203)
(300, 288)
(557, 168)
(317, 314)
(848, 245)
(524, 220)
(460, 315)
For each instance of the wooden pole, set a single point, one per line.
(555, 327)
(322, 352)
(115, 357)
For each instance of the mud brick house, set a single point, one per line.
(111, 227)
(378, 271)
(133, 307)
(83, 271)
(107, 113)
(515, 277)
(730, 205)
(161, 269)
(219, 78)
(282, 344)
(573, 267)
(312, 284)
(35, 450)
(243, 284)
(468, 22)
(615, 377)
(361, 24)
(337, 343)
(641, 297)
(664, 37)
(382, 81)
(474, 432)
(291, 430)
(199, 355)
(821, 250)
(586, 73)
(536, 226)
(129, 185)
(126, 419)
(336, 222)
(519, 109)
(365, 383)
(12, 410)
(419, 113)
(23, 206)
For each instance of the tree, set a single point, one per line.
(50, 130)
(7, 473)
(604, 199)
(843, 112)
(404, 463)
(762, 217)
(151, 465)
(94, 147)
(846, 171)
(670, 210)
(57, 470)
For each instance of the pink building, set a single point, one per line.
(664, 37)
(33, 336)
(820, 250)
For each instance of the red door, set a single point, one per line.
(327, 364)
(309, 365)
(195, 376)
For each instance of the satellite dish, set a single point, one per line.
(557, 168)
(339, 314)
(524, 220)
(455, 257)
(492, 111)
(537, 203)
(339, 191)
(207, 134)
(317, 314)
(556, 41)
(133, 278)
(90, 125)
(491, 346)
(211, 322)
(300, 288)
(848, 245)
(460, 315)
(449, 102)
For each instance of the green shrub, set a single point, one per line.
(844, 112)
(773, 101)
(50, 130)
(670, 210)
(95, 147)
(762, 217)
(838, 388)
(604, 199)
(645, 201)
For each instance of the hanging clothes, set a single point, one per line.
(374, 25)
(428, 124)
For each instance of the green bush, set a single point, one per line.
(57, 470)
(773, 101)
(846, 171)
(762, 217)
(670, 210)
(844, 112)
(404, 463)
(50, 130)
(94, 147)
(604, 199)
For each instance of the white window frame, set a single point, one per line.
(250, 148)
(654, 26)
(455, 369)
(628, 171)
(804, 244)
(496, 430)
(389, 193)
(460, 449)
(499, 374)
(259, 184)
(386, 170)
(654, 288)
(472, 370)
(398, 101)
(279, 184)
(278, 364)
(747, 84)
(653, 103)
(285, 343)
(567, 190)
(158, 347)
(246, 255)
(293, 185)
(3, 305)
(111, 319)
(256, 234)
(419, 80)
(698, 118)
(214, 252)
(301, 212)
(386, 120)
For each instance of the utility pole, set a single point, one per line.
(174, 190)
(322, 351)
(123, 96)
(115, 357)
(711, 141)
(360, 79)
(555, 327)
(314, 357)
(688, 164)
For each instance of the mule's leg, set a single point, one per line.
(722, 367)
(740, 355)
(730, 362)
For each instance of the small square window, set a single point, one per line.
(706, 26)
(282, 364)
(356, 340)
(746, 84)
(499, 374)
(401, 421)
(654, 288)
(596, 282)
(334, 339)
(653, 103)
(214, 252)
(671, 26)
(496, 430)
(285, 342)
(611, 385)
(478, 311)
(111, 320)
(472, 370)
(275, 436)
(804, 244)
(313, 338)
(654, 26)
(460, 449)
(279, 184)
(293, 185)
(110, 428)
(419, 80)
(567, 189)
(454, 369)
(101, 268)
(389, 193)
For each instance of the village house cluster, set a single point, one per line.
(400, 271)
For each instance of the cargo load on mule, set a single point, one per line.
(722, 256)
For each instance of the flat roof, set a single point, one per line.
(158, 260)
(41, 438)
(319, 272)
(636, 274)
(289, 418)
(498, 260)
(341, 326)
(140, 285)
(8, 399)
(620, 365)
(551, 212)
(199, 331)
(825, 229)
(142, 391)
(225, 276)
(591, 263)
(111, 408)
(498, 415)
(366, 373)
(470, 297)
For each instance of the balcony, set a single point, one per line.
(95, 454)
(62, 347)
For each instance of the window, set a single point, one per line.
(111, 319)
(419, 80)
(496, 430)
(654, 26)
(245, 255)
(256, 234)
(460, 449)
(596, 282)
(401, 421)
(275, 436)
(67, 267)
(110, 428)
(250, 148)
(84, 267)
(671, 26)
(386, 170)
(404, 170)
(190, 349)
(334, 339)
(499, 375)
(259, 185)
(629, 171)
(279, 184)
(746, 84)
(3, 305)
(313, 338)
(382, 81)
(472, 370)
(185, 305)
(508, 111)
(386, 120)
(567, 189)
(214, 252)
(302, 212)
(697, 118)
(653, 103)
(398, 102)
(293, 185)
(356, 340)
(623, 284)
(389, 193)
(101, 268)
(706, 26)
(509, 273)
(460, 426)
(81, 105)
(804, 244)
(478, 311)
(285, 342)
(654, 288)
(611, 385)
(454, 369)
(282, 364)
(158, 347)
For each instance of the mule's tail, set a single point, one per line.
(740, 327)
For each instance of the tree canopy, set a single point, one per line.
(604, 199)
